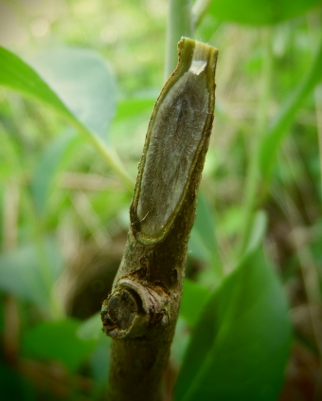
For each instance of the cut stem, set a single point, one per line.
(141, 312)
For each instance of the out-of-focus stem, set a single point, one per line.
(179, 24)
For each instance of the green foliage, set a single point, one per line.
(57, 341)
(240, 343)
(30, 272)
(66, 196)
(76, 83)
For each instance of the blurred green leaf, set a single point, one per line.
(47, 167)
(100, 363)
(205, 224)
(263, 12)
(84, 83)
(258, 230)
(280, 127)
(76, 83)
(29, 275)
(57, 341)
(202, 242)
(193, 301)
(241, 343)
(17, 75)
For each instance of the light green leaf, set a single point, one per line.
(77, 84)
(254, 12)
(240, 345)
(84, 83)
(91, 328)
(57, 341)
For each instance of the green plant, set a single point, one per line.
(234, 310)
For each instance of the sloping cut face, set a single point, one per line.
(175, 134)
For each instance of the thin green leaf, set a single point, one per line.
(271, 142)
(258, 231)
(241, 343)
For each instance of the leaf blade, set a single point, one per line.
(240, 345)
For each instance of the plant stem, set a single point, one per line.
(141, 312)
(179, 24)
(252, 177)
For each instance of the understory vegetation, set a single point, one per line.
(78, 81)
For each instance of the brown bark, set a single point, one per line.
(141, 312)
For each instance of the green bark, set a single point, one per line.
(141, 313)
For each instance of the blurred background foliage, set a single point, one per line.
(64, 215)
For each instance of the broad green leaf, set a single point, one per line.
(193, 300)
(84, 83)
(30, 273)
(17, 75)
(262, 12)
(76, 83)
(241, 342)
(47, 168)
(272, 141)
(57, 341)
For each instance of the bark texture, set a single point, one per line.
(141, 312)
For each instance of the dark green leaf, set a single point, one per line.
(57, 341)
(241, 343)
(13, 386)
